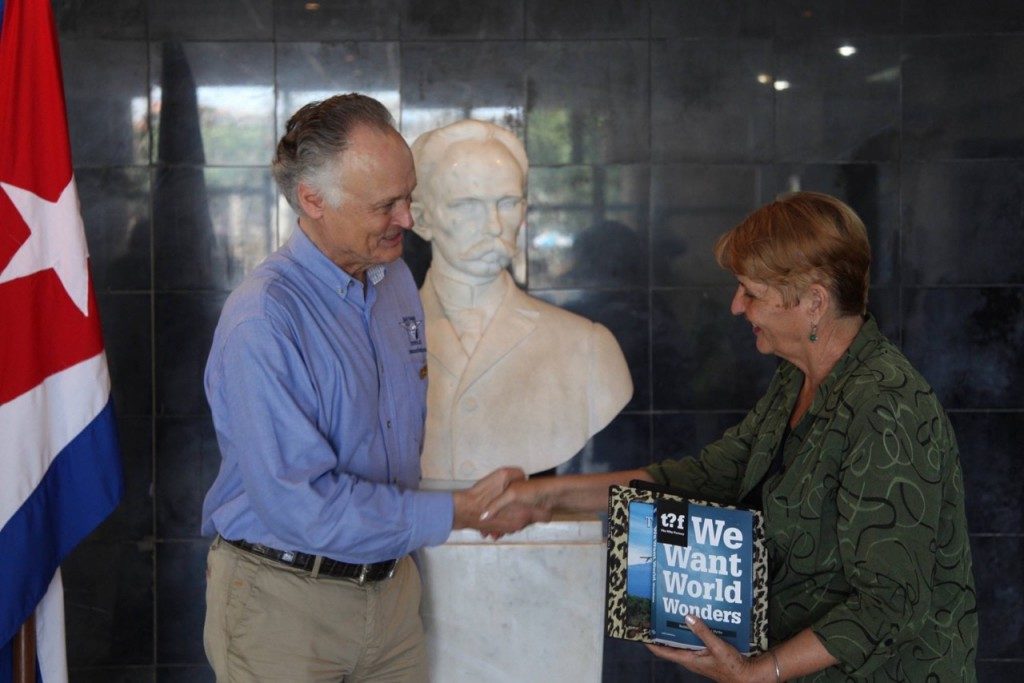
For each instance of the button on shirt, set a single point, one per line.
(318, 400)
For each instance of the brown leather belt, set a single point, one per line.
(360, 573)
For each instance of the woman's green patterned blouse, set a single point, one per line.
(866, 531)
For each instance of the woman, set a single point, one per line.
(849, 455)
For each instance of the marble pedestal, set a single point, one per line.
(529, 607)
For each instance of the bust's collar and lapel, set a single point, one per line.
(514, 320)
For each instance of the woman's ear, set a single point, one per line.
(818, 300)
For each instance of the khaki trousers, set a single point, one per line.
(269, 622)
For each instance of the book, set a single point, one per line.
(669, 556)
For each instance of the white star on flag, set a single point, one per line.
(57, 241)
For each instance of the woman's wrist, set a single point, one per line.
(768, 669)
(776, 667)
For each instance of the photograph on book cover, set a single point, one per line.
(640, 565)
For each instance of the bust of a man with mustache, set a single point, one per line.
(513, 380)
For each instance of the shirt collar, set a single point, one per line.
(305, 253)
(863, 345)
(376, 273)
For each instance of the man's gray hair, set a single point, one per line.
(314, 137)
(429, 148)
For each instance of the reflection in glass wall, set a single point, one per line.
(651, 127)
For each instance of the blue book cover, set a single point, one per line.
(703, 565)
(668, 556)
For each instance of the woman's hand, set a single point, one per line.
(531, 493)
(471, 503)
(718, 661)
(564, 493)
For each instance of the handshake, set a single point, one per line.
(501, 503)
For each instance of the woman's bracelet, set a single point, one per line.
(775, 661)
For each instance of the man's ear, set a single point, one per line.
(420, 222)
(310, 200)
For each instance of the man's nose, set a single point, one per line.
(403, 215)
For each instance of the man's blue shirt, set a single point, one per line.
(318, 393)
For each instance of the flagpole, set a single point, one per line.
(25, 652)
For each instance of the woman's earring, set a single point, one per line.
(814, 333)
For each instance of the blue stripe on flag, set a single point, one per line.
(82, 486)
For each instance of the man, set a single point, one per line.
(317, 383)
(512, 379)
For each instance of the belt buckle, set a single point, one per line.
(364, 572)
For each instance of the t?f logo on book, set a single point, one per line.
(673, 523)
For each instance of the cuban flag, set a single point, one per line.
(60, 471)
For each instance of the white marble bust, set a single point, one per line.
(513, 380)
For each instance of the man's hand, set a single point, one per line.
(512, 518)
(471, 503)
(521, 494)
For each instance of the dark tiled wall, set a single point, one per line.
(652, 126)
